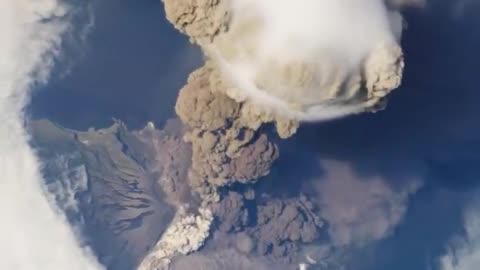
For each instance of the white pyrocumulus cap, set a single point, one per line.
(308, 58)
(33, 234)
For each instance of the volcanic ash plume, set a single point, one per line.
(306, 60)
(271, 63)
(279, 62)
(227, 145)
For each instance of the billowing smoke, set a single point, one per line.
(311, 59)
(33, 234)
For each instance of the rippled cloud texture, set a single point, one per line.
(33, 235)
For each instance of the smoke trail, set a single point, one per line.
(33, 235)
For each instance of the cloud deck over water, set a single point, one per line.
(33, 235)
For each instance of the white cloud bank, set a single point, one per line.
(464, 252)
(33, 235)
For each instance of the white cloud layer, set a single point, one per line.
(464, 252)
(33, 234)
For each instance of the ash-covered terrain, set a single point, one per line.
(125, 190)
(105, 182)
